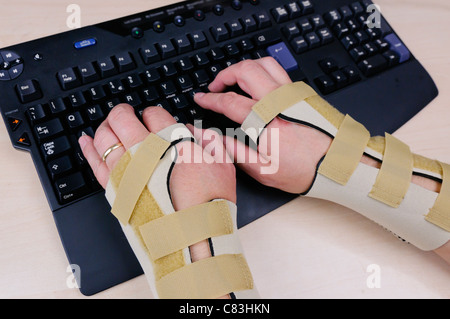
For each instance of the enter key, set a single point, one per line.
(283, 56)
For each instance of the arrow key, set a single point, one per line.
(14, 123)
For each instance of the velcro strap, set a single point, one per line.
(208, 278)
(440, 212)
(184, 228)
(345, 151)
(274, 103)
(394, 178)
(136, 176)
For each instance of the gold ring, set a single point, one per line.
(110, 150)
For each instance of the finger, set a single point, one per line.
(156, 119)
(272, 67)
(100, 169)
(126, 126)
(249, 75)
(234, 106)
(103, 140)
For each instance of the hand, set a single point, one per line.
(190, 184)
(295, 151)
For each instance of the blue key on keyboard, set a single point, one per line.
(282, 55)
(397, 46)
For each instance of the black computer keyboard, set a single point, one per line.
(55, 89)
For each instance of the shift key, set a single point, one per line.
(70, 187)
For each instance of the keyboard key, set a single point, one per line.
(60, 166)
(28, 91)
(249, 24)
(74, 120)
(398, 47)
(201, 59)
(325, 36)
(168, 88)
(220, 33)
(106, 67)
(358, 54)
(332, 17)
(373, 65)
(86, 131)
(77, 99)
(231, 50)
(149, 54)
(182, 44)
(198, 39)
(352, 74)
(306, 6)
(110, 104)
(57, 106)
(246, 45)
(346, 12)
(36, 113)
(328, 65)
(132, 99)
(184, 82)
(125, 62)
(166, 49)
(294, 10)
(392, 58)
(317, 21)
(339, 78)
(179, 102)
(96, 93)
(313, 40)
(88, 73)
(94, 113)
(68, 79)
(341, 30)
(115, 87)
(70, 187)
(266, 38)
(150, 94)
(168, 69)
(262, 20)
(55, 148)
(214, 70)
(349, 42)
(305, 26)
(291, 31)
(201, 77)
(133, 81)
(357, 8)
(299, 45)
(235, 28)
(283, 56)
(152, 76)
(280, 14)
(325, 84)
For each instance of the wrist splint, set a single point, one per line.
(385, 195)
(138, 192)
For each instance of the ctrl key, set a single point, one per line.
(70, 187)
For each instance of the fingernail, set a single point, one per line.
(199, 95)
(82, 141)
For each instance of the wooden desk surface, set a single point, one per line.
(306, 249)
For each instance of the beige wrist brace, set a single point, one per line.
(385, 195)
(138, 192)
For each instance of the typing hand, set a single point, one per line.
(292, 151)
